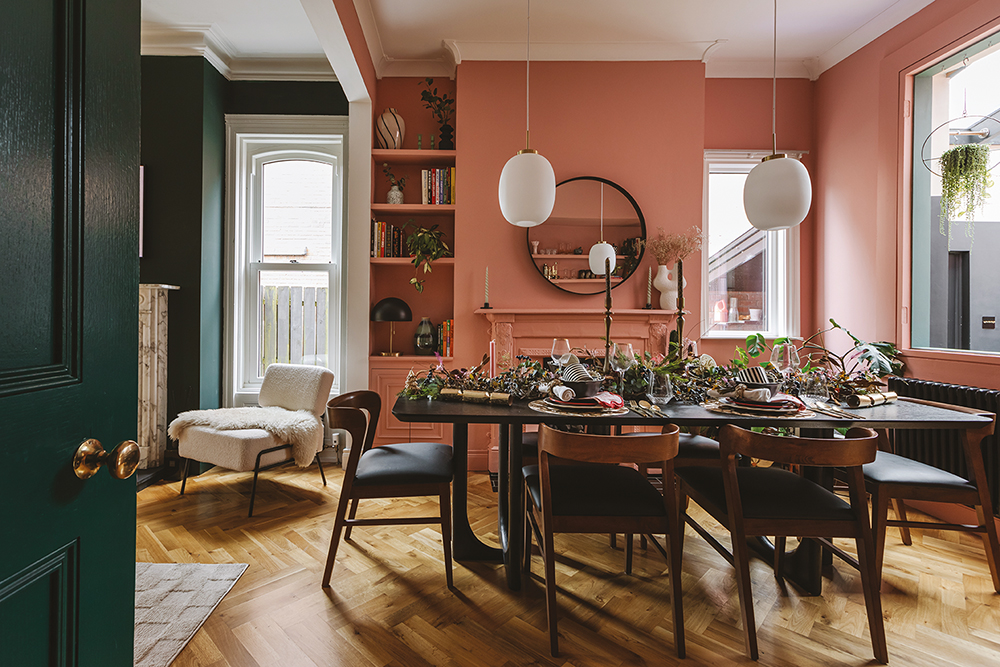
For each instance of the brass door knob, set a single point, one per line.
(90, 456)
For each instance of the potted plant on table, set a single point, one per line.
(425, 245)
(965, 181)
(442, 106)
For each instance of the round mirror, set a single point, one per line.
(560, 247)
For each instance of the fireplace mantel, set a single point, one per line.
(526, 331)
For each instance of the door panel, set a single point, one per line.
(69, 147)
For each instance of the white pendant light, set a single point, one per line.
(602, 251)
(527, 182)
(777, 193)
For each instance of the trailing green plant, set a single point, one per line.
(442, 106)
(425, 246)
(387, 170)
(965, 181)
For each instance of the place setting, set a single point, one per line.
(577, 390)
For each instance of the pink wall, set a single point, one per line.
(861, 205)
(637, 124)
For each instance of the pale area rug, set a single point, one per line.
(173, 600)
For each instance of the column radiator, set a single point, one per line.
(942, 448)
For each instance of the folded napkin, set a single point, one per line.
(563, 393)
(609, 400)
(740, 392)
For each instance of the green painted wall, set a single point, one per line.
(184, 102)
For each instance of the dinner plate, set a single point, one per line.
(760, 408)
(572, 405)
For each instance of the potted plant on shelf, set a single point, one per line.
(396, 185)
(442, 106)
(965, 181)
(425, 245)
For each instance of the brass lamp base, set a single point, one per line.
(389, 354)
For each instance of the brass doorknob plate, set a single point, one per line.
(90, 456)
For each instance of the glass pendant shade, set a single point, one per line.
(527, 189)
(598, 253)
(777, 194)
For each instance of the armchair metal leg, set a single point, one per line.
(184, 480)
(321, 473)
(253, 489)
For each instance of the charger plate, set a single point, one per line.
(727, 408)
(542, 406)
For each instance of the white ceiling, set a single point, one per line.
(257, 38)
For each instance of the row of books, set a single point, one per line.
(438, 186)
(446, 337)
(388, 241)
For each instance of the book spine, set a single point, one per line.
(452, 172)
(423, 186)
(372, 239)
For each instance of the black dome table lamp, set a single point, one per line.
(392, 310)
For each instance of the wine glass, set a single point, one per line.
(622, 359)
(785, 358)
(560, 351)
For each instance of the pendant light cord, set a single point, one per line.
(774, 82)
(602, 211)
(527, 84)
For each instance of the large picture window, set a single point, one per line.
(747, 272)
(286, 220)
(954, 297)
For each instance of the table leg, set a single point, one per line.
(465, 544)
(515, 501)
(503, 489)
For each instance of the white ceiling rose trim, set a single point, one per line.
(212, 44)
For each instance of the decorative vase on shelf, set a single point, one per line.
(425, 339)
(389, 129)
(447, 138)
(666, 282)
(394, 196)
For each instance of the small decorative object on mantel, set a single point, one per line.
(486, 300)
(442, 107)
(425, 338)
(395, 194)
(668, 250)
(649, 290)
(389, 129)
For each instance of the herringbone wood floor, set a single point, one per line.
(388, 604)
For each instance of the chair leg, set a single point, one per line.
(354, 513)
(613, 540)
(880, 514)
(184, 480)
(338, 528)
(446, 532)
(899, 507)
(991, 544)
(526, 542)
(675, 546)
(321, 473)
(549, 556)
(253, 488)
(741, 559)
(629, 539)
(642, 541)
(871, 583)
(779, 556)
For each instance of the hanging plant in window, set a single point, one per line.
(965, 181)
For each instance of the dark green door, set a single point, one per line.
(69, 147)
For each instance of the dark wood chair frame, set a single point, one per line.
(575, 448)
(883, 493)
(257, 469)
(849, 454)
(357, 413)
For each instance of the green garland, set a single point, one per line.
(965, 181)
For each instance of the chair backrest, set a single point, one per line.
(856, 449)
(652, 448)
(363, 399)
(296, 387)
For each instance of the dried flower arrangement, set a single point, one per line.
(671, 248)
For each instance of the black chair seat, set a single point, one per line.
(894, 469)
(691, 446)
(596, 490)
(767, 493)
(408, 463)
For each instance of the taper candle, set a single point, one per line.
(649, 287)
(487, 299)
(493, 358)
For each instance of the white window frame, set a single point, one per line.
(783, 268)
(251, 141)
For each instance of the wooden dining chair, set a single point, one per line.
(389, 471)
(581, 486)
(758, 501)
(896, 479)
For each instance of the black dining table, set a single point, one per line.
(803, 566)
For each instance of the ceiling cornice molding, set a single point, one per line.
(583, 51)
(760, 69)
(892, 16)
(212, 44)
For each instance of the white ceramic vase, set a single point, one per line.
(389, 129)
(394, 196)
(666, 282)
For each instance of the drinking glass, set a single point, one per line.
(560, 351)
(622, 359)
(659, 389)
(815, 388)
(785, 358)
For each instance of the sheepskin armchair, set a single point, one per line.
(287, 426)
